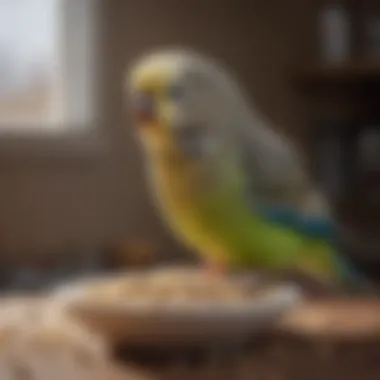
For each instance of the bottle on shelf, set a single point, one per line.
(334, 33)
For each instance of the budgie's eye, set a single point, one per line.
(176, 92)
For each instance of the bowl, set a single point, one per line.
(139, 321)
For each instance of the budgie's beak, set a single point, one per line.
(144, 109)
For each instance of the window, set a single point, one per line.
(47, 71)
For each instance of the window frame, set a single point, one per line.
(80, 58)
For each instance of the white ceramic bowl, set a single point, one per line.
(173, 323)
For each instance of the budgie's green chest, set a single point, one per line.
(186, 194)
(178, 186)
(202, 205)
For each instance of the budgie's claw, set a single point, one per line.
(216, 268)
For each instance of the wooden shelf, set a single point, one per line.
(349, 73)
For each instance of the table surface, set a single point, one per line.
(316, 340)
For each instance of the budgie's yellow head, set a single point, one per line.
(179, 99)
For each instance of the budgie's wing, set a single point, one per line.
(283, 193)
(276, 171)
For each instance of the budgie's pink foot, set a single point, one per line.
(216, 269)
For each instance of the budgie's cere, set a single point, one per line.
(229, 186)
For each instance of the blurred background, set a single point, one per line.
(72, 193)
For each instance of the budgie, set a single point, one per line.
(229, 186)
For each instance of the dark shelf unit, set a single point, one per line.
(354, 88)
(350, 73)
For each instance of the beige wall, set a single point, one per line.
(47, 205)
